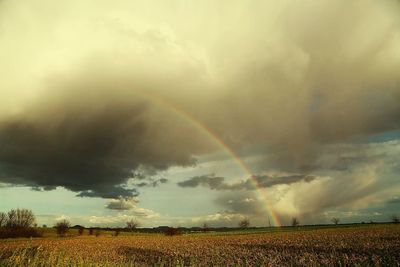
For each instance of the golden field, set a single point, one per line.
(371, 245)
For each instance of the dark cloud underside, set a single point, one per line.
(88, 144)
(257, 181)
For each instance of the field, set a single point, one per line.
(370, 245)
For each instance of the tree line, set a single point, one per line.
(18, 223)
(22, 223)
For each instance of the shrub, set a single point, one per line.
(62, 227)
(97, 233)
(205, 227)
(171, 231)
(132, 224)
(18, 223)
(244, 223)
(7, 232)
(3, 219)
(335, 221)
(295, 222)
(395, 219)
(81, 230)
(91, 231)
(116, 232)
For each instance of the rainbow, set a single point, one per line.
(213, 137)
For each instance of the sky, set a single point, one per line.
(182, 113)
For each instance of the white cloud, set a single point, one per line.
(123, 203)
(139, 213)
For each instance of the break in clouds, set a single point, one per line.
(92, 92)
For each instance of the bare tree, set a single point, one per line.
(20, 218)
(205, 227)
(244, 223)
(295, 222)
(335, 220)
(132, 224)
(62, 227)
(3, 219)
(395, 218)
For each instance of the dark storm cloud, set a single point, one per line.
(90, 143)
(307, 74)
(77, 152)
(268, 181)
(113, 191)
(43, 188)
(320, 82)
(259, 181)
(208, 180)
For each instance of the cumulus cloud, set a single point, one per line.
(141, 214)
(219, 219)
(351, 181)
(91, 93)
(127, 208)
(256, 181)
(123, 203)
(354, 189)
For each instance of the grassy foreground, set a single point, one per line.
(375, 245)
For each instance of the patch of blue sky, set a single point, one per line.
(377, 138)
(384, 137)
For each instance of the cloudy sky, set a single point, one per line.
(184, 112)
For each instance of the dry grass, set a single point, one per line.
(373, 245)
